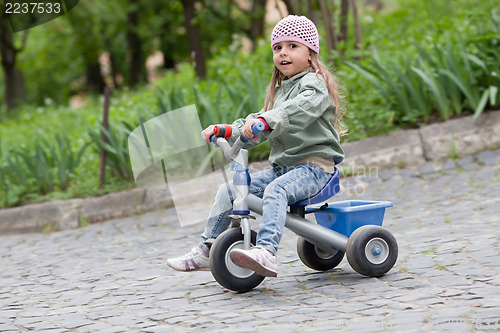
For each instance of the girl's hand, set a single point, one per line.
(247, 129)
(208, 132)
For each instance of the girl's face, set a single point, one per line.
(291, 58)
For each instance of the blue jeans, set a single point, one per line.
(278, 187)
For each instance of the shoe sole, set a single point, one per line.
(243, 261)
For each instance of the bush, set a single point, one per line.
(47, 167)
(446, 77)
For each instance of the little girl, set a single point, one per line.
(303, 121)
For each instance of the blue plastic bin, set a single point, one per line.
(346, 216)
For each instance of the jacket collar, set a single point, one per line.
(293, 80)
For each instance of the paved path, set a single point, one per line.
(112, 277)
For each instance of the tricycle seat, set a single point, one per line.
(331, 188)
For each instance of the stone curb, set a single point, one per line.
(411, 148)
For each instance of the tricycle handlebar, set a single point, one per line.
(232, 152)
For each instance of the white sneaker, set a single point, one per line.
(258, 259)
(196, 260)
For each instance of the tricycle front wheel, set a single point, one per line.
(372, 250)
(315, 258)
(224, 270)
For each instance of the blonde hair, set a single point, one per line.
(332, 85)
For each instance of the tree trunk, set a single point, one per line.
(14, 83)
(357, 24)
(310, 11)
(301, 11)
(137, 66)
(114, 69)
(331, 43)
(290, 7)
(167, 47)
(194, 38)
(15, 92)
(258, 16)
(168, 59)
(344, 12)
(95, 81)
(88, 46)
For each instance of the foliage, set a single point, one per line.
(39, 170)
(423, 59)
(410, 22)
(487, 44)
(445, 76)
(58, 54)
(367, 113)
(115, 145)
(48, 81)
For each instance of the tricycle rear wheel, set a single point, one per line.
(224, 270)
(315, 258)
(372, 250)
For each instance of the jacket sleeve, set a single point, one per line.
(237, 127)
(299, 112)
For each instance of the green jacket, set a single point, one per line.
(301, 123)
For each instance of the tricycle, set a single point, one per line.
(351, 227)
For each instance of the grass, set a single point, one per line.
(400, 164)
(48, 228)
(83, 223)
(431, 250)
(454, 154)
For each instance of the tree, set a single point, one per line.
(87, 36)
(357, 24)
(257, 22)
(167, 46)
(14, 87)
(328, 13)
(194, 38)
(344, 11)
(331, 36)
(137, 65)
(290, 7)
(233, 18)
(310, 11)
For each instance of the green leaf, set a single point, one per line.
(481, 105)
(436, 92)
(493, 94)
(469, 91)
(477, 61)
(368, 75)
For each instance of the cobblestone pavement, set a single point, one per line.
(112, 277)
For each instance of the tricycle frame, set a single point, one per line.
(371, 250)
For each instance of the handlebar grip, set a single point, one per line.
(224, 131)
(256, 129)
(212, 137)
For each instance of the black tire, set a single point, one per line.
(315, 258)
(224, 271)
(372, 250)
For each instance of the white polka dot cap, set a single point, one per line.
(295, 28)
